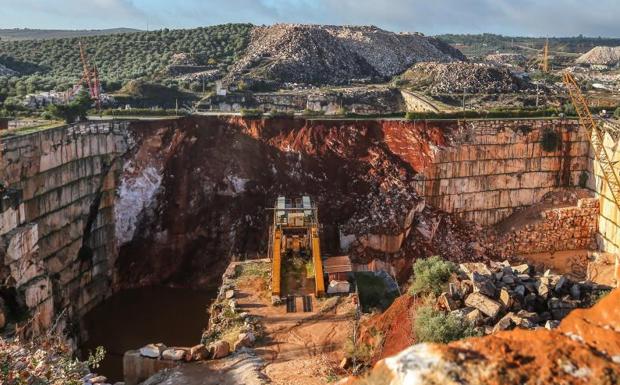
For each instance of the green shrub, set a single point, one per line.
(430, 275)
(362, 352)
(617, 113)
(373, 292)
(432, 325)
(550, 140)
(251, 113)
(308, 112)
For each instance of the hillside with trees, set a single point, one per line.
(41, 34)
(55, 64)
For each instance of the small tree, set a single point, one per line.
(432, 325)
(75, 110)
(430, 275)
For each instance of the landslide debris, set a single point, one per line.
(439, 78)
(314, 54)
(584, 349)
(609, 56)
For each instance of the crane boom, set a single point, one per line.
(596, 135)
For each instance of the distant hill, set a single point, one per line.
(487, 43)
(44, 34)
(124, 55)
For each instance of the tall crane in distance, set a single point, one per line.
(544, 64)
(596, 135)
(90, 78)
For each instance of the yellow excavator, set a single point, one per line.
(294, 233)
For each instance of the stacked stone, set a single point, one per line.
(567, 228)
(500, 296)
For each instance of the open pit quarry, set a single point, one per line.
(98, 208)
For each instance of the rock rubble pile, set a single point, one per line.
(609, 56)
(314, 54)
(440, 78)
(499, 296)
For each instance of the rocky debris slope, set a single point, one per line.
(5, 71)
(584, 349)
(499, 296)
(43, 361)
(439, 78)
(609, 56)
(507, 59)
(314, 54)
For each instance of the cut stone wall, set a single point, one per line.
(494, 167)
(564, 228)
(58, 234)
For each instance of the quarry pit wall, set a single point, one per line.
(59, 232)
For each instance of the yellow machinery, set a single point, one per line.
(596, 135)
(295, 230)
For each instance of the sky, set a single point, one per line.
(507, 17)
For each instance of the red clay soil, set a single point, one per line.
(585, 349)
(391, 331)
(587, 339)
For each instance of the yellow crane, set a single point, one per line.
(544, 65)
(596, 135)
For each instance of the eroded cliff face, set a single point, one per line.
(211, 181)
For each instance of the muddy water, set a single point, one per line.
(132, 318)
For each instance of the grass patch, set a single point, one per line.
(431, 275)
(432, 325)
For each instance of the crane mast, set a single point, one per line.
(596, 136)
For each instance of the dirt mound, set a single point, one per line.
(438, 78)
(609, 56)
(391, 331)
(585, 349)
(313, 54)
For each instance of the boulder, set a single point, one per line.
(575, 291)
(508, 279)
(220, 349)
(520, 290)
(483, 303)
(474, 267)
(505, 298)
(244, 340)
(98, 379)
(521, 269)
(345, 363)
(483, 284)
(198, 353)
(552, 324)
(560, 284)
(504, 324)
(230, 294)
(542, 286)
(173, 354)
(475, 317)
(152, 350)
(447, 302)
